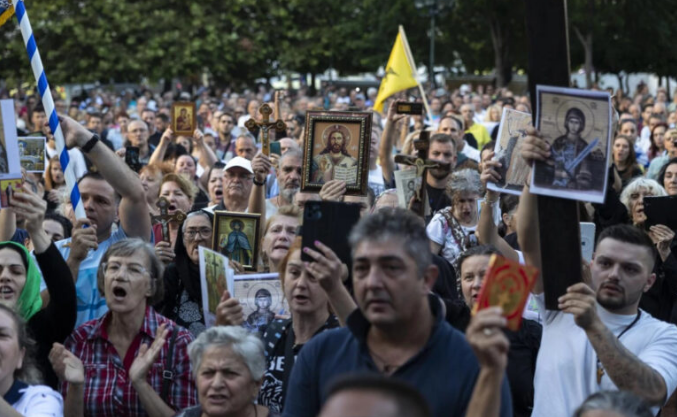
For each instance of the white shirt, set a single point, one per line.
(39, 401)
(439, 232)
(566, 368)
(471, 152)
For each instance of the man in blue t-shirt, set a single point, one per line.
(398, 329)
(113, 192)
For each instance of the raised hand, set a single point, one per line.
(84, 239)
(27, 205)
(333, 190)
(66, 365)
(229, 311)
(74, 133)
(168, 135)
(148, 355)
(198, 138)
(164, 251)
(325, 267)
(580, 301)
(392, 112)
(484, 333)
(662, 237)
(261, 166)
(534, 148)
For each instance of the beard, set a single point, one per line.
(439, 174)
(289, 193)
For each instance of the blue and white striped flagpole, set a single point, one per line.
(48, 103)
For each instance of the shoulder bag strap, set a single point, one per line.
(168, 373)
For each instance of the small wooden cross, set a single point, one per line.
(265, 124)
(422, 164)
(164, 218)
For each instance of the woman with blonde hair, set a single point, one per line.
(278, 236)
(54, 182)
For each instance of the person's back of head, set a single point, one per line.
(371, 395)
(620, 403)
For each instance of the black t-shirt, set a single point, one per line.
(437, 199)
(275, 340)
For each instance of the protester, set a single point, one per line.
(238, 180)
(625, 160)
(667, 177)
(396, 331)
(633, 197)
(180, 194)
(113, 193)
(599, 339)
(657, 147)
(21, 394)
(132, 361)
(215, 184)
(228, 367)
(670, 145)
(151, 177)
(54, 181)
(278, 235)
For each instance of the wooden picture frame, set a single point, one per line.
(184, 118)
(323, 160)
(230, 239)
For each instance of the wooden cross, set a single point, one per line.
(557, 218)
(265, 124)
(164, 218)
(422, 164)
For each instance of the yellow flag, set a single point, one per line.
(6, 11)
(399, 72)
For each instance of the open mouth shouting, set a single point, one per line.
(6, 292)
(119, 293)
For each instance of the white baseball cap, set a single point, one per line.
(241, 162)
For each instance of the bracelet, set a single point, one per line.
(260, 184)
(488, 202)
(90, 143)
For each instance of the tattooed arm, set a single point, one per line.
(626, 370)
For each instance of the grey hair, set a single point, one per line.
(193, 214)
(464, 181)
(621, 402)
(128, 248)
(291, 152)
(248, 346)
(395, 223)
(639, 183)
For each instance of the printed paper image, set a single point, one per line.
(215, 278)
(262, 299)
(32, 154)
(514, 170)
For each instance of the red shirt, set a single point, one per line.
(108, 389)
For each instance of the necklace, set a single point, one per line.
(387, 368)
(600, 368)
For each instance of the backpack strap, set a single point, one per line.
(168, 373)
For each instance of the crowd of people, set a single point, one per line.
(102, 315)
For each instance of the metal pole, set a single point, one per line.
(433, 12)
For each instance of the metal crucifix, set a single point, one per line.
(265, 124)
(164, 218)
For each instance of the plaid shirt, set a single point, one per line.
(108, 389)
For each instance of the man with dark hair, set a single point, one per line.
(154, 136)
(398, 329)
(466, 155)
(226, 138)
(113, 193)
(598, 339)
(371, 395)
(161, 123)
(77, 160)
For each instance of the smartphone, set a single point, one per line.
(587, 240)
(661, 210)
(409, 108)
(329, 222)
(275, 148)
(132, 157)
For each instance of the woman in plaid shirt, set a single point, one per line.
(132, 361)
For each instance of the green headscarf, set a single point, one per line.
(29, 301)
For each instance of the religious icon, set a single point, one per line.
(406, 186)
(32, 154)
(236, 235)
(577, 125)
(183, 118)
(262, 299)
(514, 170)
(8, 186)
(337, 148)
(215, 277)
(507, 284)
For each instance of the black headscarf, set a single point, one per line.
(188, 272)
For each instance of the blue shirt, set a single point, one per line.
(444, 371)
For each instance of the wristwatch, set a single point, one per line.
(90, 143)
(260, 184)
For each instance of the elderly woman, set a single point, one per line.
(278, 235)
(228, 366)
(20, 280)
(662, 296)
(123, 364)
(20, 392)
(452, 230)
(182, 301)
(180, 193)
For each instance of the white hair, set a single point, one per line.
(638, 184)
(238, 339)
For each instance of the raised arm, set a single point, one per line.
(533, 148)
(257, 199)
(385, 153)
(159, 153)
(487, 232)
(7, 225)
(207, 156)
(133, 209)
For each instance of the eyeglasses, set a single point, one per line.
(192, 233)
(116, 267)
